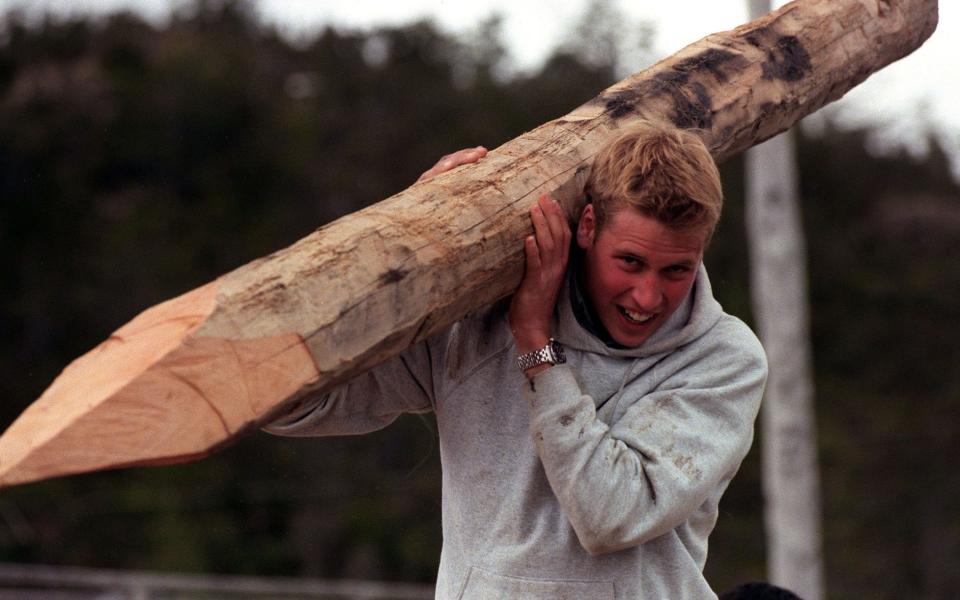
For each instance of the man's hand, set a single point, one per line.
(547, 253)
(460, 157)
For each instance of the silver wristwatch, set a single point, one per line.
(551, 354)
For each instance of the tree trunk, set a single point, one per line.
(791, 478)
(188, 375)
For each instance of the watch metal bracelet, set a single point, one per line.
(551, 354)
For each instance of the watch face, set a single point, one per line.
(556, 351)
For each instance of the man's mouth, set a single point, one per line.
(635, 317)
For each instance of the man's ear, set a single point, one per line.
(586, 227)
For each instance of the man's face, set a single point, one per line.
(637, 271)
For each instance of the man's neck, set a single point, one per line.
(583, 309)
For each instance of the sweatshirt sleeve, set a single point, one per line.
(628, 483)
(366, 403)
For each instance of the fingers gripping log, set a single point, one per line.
(193, 373)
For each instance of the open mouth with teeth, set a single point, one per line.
(634, 317)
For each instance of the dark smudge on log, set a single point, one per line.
(692, 105)
(711, 60)
(393, 276)
(787, 59)
(695, 112)
(618, 107)
(691, 101)
(790, 61)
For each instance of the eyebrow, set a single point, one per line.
(643, 255)
(685, 263)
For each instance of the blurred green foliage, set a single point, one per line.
(138, 161)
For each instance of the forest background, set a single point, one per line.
(139, 160)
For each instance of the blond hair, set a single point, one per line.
(663, 172)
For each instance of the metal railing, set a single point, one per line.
(45, 582)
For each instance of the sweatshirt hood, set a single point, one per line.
(695, 316)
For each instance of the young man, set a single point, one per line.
(589, 427)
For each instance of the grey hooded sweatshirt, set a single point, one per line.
(598, 480)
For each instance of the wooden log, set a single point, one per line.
(193, 373)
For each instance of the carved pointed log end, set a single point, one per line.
(44, 437)
(153, 393)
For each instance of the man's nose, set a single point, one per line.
(647, 293)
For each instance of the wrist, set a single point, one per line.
(526, 341)
(529, 337)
